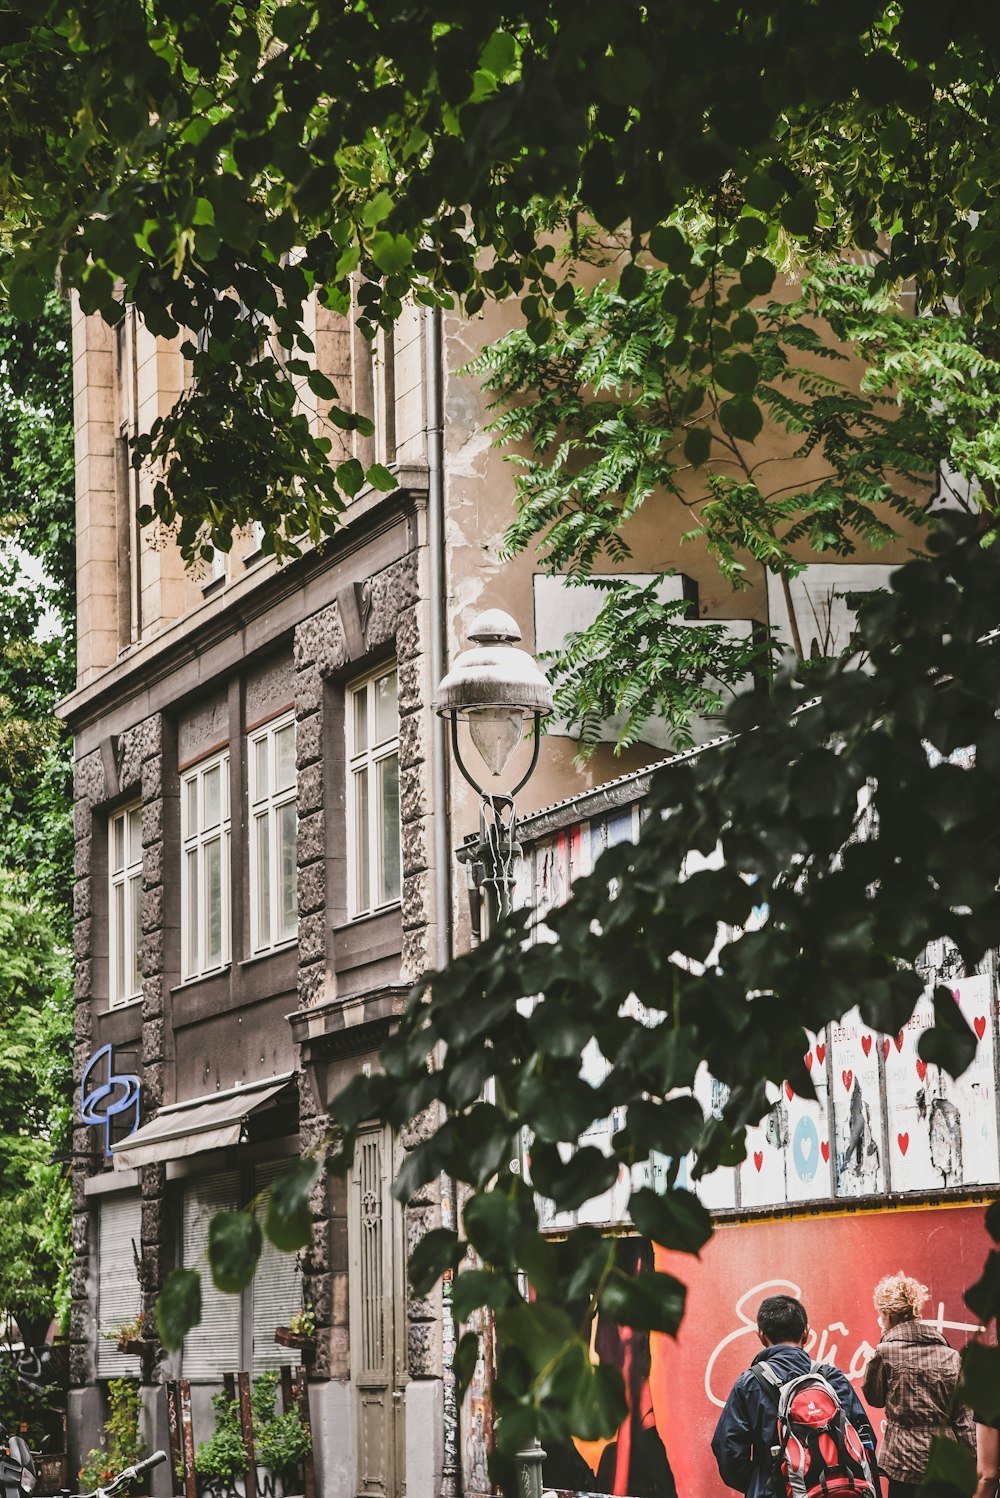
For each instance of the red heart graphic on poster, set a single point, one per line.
(847, 1077)
(820, 1053)
(790, 1091)
(809, 1060)
(921, 1069)
(758, 1158)
(979, 1025)
(866, 1044)
(903, 1140)
(885, 1048)
(825, 1148)
(899, 1041)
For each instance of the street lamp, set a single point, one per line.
(495, 688)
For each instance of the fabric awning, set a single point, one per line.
(204, 1123)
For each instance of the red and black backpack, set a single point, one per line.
(819, 1454)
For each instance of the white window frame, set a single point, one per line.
(127, 880)
(367, 759)
(195, 844)
(263, 807)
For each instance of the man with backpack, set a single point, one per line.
(791, 1427)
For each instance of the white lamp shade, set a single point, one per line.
(496, 733)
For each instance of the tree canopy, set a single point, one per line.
(206, 161)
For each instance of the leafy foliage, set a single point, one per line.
(281, 1442)
(121, 1445)
(245, 156)
(655, 962)
(223, 1456)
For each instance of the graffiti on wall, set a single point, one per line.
(676, 1387)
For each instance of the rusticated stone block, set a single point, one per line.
(316, 1258)
(153, 777)
(152, 996)
(415, 957)
(416, 900)
(81, 899)
(153, 1272)
(83, 852)
(152, 866)
(153, 1179)
(152, 1041)
(421, 1128)
(82, 939)
(418, 1222)
(78, 1195)
(312, 937)
(412, 688)
(423, 1349)
(80, 1235)
(308, 740)
(310, 791)
(130, 759)
(321, 1293)
(83, 1025)
(152, 952)
(412, 740)
(152, 821)
(311, 837)
(413, 837)
(83, 979)
(407, 634)
(154, 1227)
(339, 1301)
(338, 1244)
(78, 1281)
(152, 910)
(308, 688)
(312, 888)
(152, 1086)
(383, 597)
(311, 984)
(151, 731)
(413, 792)
(85, 1140)
(88, 778)
(79, 1364)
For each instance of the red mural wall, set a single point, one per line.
(831, 1262)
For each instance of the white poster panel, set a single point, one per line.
(762, 1173)
(859, 1169)
(943, 1131)
(718, 1189)
(808, 1172)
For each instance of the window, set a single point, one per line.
(218, 1344)
(373, 793)
(125, 906)
(119, 1298)
(273, 872)
(205, 867)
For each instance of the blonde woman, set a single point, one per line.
(912, 1376)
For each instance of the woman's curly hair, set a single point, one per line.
(900, 1296)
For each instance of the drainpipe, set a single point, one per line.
(438, 654)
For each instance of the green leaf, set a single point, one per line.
(178, 1307)
(466, 1358)
(741, 417)
(498, 55)
(980, 1387)
(479, 1287)
(738, 373)
(698, 445)
(321, 385)
(375, 211)
(950, 1471)
(799, 214)
(598, 1404)
(392, 253)
(288, 1219)
(676, 1219)
(495, 1223)
(381, 478)
(436, 1252)
(669, 245)
(350, 476)
(758, 276)
(649, 1302)
(234, 1245)
(761, 191)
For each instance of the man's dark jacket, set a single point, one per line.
(748, 1426)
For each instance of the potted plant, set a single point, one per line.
(300, 1331)
(128, 1335)
(281, 1442)
(222, 1459)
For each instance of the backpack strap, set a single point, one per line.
(768, 1379)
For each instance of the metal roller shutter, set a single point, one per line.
(213, 1348)
(118, 1295)
(277, 1290)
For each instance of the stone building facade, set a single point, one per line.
(260, 878)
